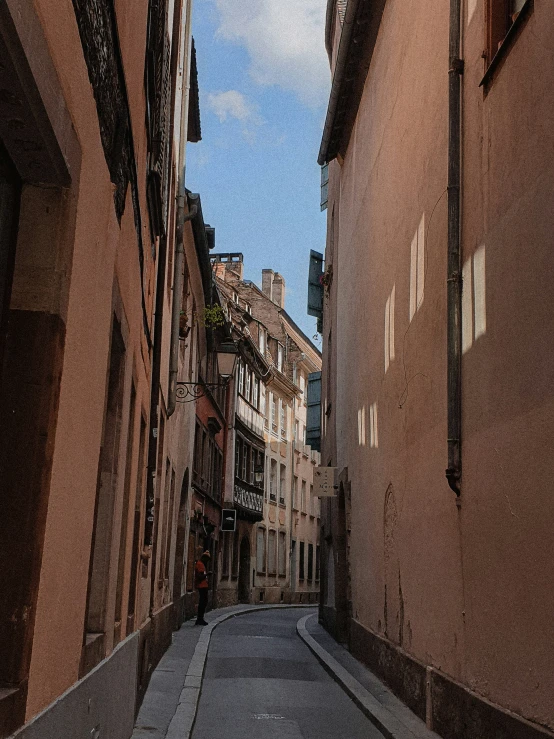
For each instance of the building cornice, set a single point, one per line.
(357, 42)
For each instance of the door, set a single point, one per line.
(10, 190)
(244, 571)
(293, 566)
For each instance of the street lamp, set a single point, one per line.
(258, 473)
(227, 354)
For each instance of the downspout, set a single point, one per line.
(182, 218)
(454, 277)
(178, 276)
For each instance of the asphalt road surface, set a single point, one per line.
(262, 682)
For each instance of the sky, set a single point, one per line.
(264, 85)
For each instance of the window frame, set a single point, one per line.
(501, 31)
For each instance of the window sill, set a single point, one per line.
(506, 45)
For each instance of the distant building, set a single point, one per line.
(284, 544)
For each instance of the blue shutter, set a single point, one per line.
(324, 186)
(315, 285)
(313, 420)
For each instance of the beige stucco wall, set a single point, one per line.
(462, 589)
(104, 277)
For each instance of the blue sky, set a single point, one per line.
(264, 80)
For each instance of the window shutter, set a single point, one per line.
(313, 420)
(315, 285)
(324, 186)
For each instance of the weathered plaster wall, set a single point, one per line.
(464, 590)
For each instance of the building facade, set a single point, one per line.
(97, 236)
(439, 154)
(284, 544)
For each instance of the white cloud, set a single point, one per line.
(285, 41)
(231, 104)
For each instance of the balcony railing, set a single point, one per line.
(248, 500)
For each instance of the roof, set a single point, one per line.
(194, 131)
(299, 331)
(361, 22)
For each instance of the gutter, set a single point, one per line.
(358, 37)
(454, 276)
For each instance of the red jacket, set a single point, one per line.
(200, 575)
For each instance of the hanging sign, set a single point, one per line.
(325, 485)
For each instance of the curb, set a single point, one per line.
(182, 723)
(387, 723)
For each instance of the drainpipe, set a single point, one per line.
(454, 277)
(178, 276)
(181, 219)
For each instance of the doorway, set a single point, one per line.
(293, 566)
(179, 585)
(244, 571)
(10, 191)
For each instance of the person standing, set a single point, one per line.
(201, 583)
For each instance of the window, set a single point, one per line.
(301, 562)
(260, 551)
(280, 354)
(247, 385)
(241, 377)
(295, 492)
(238, 445)
(283, 419)
(312, 501)
(282, 483)
(262, 402)
(273, 405)
(501, 16)
(255, 391)
(282, 554)
(272, 553)
(310, 561)
(273, 480)
(262, 340)
(303, 496)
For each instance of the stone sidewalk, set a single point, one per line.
(169, 707)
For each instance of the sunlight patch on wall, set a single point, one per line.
(417, 268)
(471, 8)
(373, 432)
(361, 426)
(389, 328)
(474, 307)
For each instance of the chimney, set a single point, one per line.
(278, 290)
(267, 282)
(228, 267)
(219, 269)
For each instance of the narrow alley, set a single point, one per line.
(276, 388)
(265, 672)
(262, 681)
